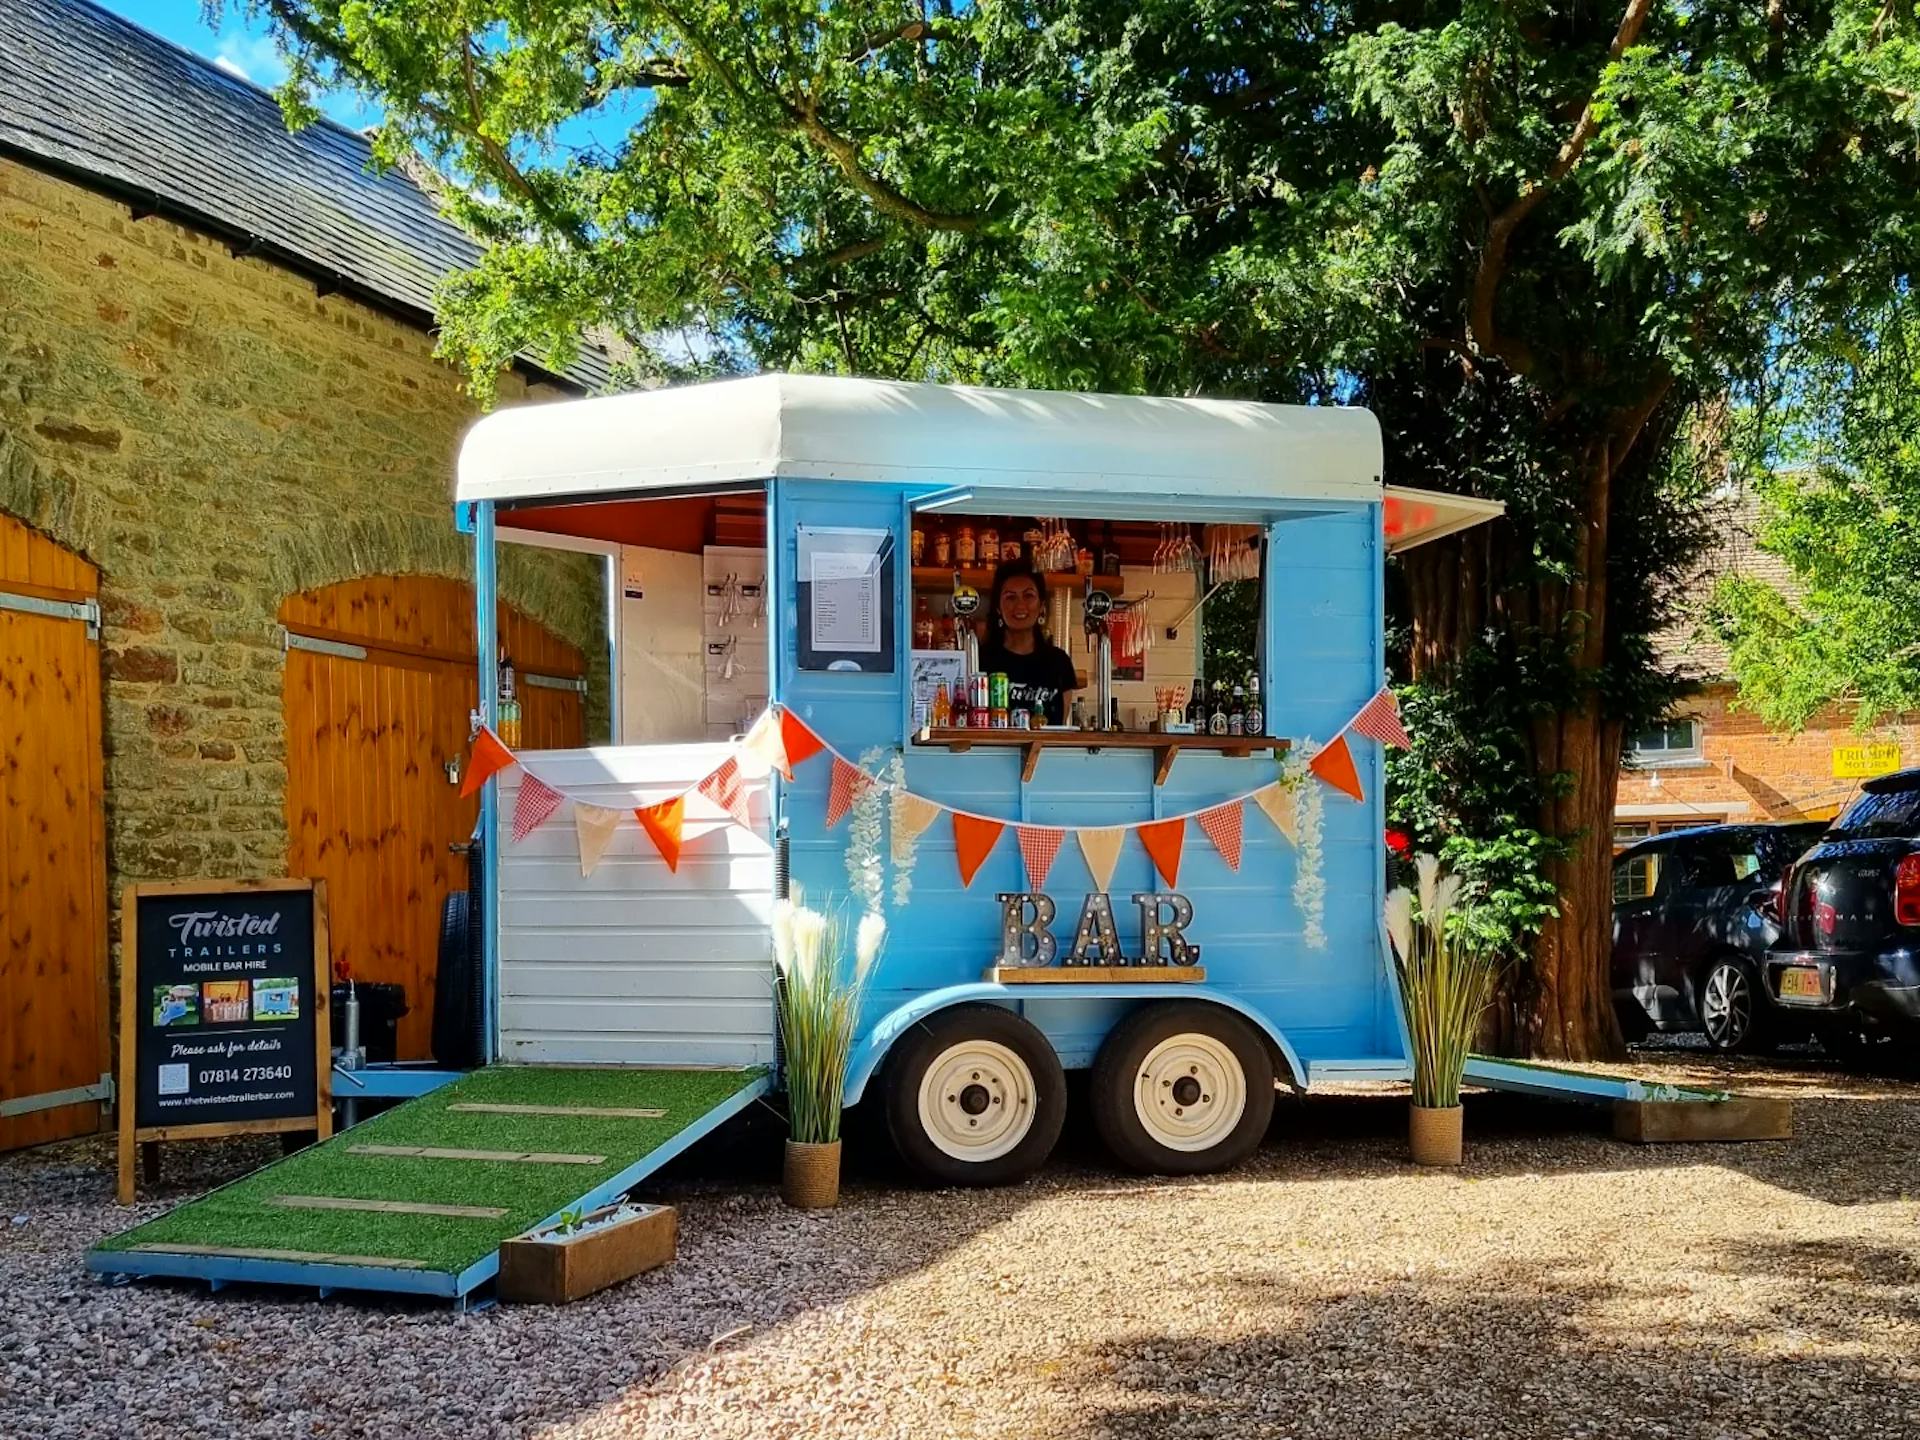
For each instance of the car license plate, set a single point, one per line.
(1801, 982)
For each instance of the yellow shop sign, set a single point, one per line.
(1857, 762)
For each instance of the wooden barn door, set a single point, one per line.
(54, 1046)
(380, 679)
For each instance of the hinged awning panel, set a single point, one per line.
(1413, 517)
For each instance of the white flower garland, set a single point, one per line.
(1309, 811)
(866, 871)
(905, 845)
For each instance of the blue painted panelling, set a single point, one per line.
(1323, 631)
(852, 712)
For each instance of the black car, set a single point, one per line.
(1693, 924)
(1848, 956)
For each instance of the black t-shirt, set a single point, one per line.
(1044, 675)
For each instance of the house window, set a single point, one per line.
(1670, 742)
(1637, 877)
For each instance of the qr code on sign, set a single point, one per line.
(173, 1079)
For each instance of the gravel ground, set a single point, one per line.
(1560, 1284)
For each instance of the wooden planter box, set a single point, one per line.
(553, 1272)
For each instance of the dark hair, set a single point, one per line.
(1021, 569)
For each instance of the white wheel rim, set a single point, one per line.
(977, 1101)
(1190, 1092)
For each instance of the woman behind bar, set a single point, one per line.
(1039, 673)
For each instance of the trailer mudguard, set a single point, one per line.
(872, 1047)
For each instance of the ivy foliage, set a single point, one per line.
(1840, 497)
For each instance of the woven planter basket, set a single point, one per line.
(1435, 1135)
(810, 1178)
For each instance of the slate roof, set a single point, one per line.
(93, 97)
(1690, 643)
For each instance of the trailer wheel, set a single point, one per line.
(974, 1096)
(1182, 1089)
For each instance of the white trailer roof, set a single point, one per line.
(829, 428)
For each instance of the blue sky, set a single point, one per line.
(243, 48)
(235, 45)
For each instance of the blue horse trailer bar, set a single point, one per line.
(1297, 988)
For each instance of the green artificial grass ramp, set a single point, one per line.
(241, 1215)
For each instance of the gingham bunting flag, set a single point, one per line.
(847, 783)
(1379, 719)
(1225, 826)
(727, 789)
(533, 807)
(1038, 846)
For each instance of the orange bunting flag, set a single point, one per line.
(1334, 764)
(1225, 826)
(1038, 846)
(487, 759)
(797, 742)
(533, 806)
(663, 822)
(1164, 839)
(726, 788)
(973, 839)
(846, 786)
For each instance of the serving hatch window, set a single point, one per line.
(1171, 610)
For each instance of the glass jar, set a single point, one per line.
(965, 552)
(1083, 561)
(919, 545)
(942, 549)
(989, 546)
(1009, 550)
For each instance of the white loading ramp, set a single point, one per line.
(637, 963)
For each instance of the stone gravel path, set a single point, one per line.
(1559, 1285)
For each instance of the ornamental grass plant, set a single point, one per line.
(1446, 978)
(819, 991)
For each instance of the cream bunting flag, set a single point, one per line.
(911, 816)
(1276, 803)
(1101, 849)
(594, 826)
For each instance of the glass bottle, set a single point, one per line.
(1237, 716)
(1256, 713)
(942, 708)
(1217, 724)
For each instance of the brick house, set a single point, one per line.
(236, 634)
(1713, 761)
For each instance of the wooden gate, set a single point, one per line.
(54, 1046)
(380, 679)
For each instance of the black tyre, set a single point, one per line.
(455, 992)
(974, 1096)
(1182, 1089)
(1732, 1010)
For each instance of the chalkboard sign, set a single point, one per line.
(223, 1012)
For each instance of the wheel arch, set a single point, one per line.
(871, 1050)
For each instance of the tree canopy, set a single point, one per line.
(1840, 495)
(1530, 236)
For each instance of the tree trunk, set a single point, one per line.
(1558, 1006)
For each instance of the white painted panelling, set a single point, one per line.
(636, 964)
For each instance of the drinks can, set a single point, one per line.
(980, 697)
(1023, 720)
(999, 718)
(999, 690)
